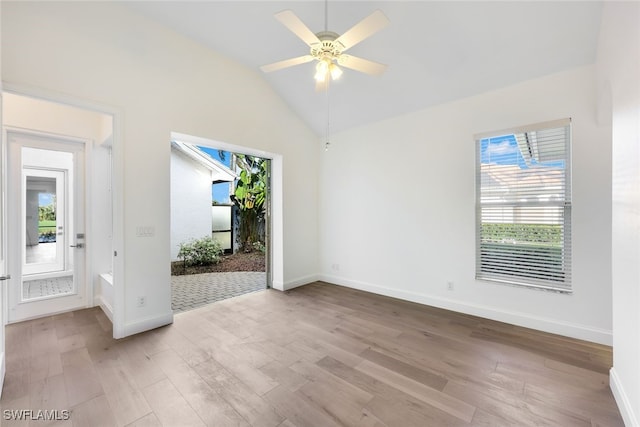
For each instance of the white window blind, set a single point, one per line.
(523, 206)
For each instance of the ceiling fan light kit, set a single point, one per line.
(327, 53)
(326, 68)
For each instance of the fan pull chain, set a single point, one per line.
(328, 128)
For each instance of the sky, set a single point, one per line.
(219, 192)
(45, 199)
(503, 150)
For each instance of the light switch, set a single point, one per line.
(145, 231)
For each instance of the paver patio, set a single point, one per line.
(195, 290)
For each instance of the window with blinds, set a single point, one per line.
(523, 206)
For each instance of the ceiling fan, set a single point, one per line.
(327, 47)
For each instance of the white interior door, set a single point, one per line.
(4, 276)
(45, 186)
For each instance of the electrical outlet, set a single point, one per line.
(141, 301)
(335, 267)
(450, 285)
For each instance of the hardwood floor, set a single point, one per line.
(319, 355)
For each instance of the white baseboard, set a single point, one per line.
(300, 281)
(553, 326)
(624, 404)
(277, 285)
(98, 300)
(147, 324)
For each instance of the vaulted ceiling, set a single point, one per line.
(436, 51)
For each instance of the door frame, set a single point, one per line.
(275, 262)
(46, 140)
(117, 178)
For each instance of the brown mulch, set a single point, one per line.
(252, 261)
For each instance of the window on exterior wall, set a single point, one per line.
(523, 206)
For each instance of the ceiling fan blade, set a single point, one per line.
(286, 63)
(297, 27)
(362, 65)
(363, 29)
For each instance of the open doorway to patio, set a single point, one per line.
(220, 224)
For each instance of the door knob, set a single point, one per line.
(79, 246)
(7, 277)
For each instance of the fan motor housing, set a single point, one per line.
(328, 47)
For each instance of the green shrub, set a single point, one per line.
(204, 251)
(541, 234)
(259, 246)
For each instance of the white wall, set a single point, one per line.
(619, 84)
(190, 201)
(160, 82)
(409, 232)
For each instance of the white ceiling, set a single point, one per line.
(436, 51)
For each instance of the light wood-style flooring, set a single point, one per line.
(319, 355)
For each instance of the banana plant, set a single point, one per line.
(249, 196)
(250, 190)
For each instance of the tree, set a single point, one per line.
(249, 196)
(47, 213)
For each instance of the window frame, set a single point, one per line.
(485, 270)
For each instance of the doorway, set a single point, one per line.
(223, 199)
(46, 224)
(58, 206)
